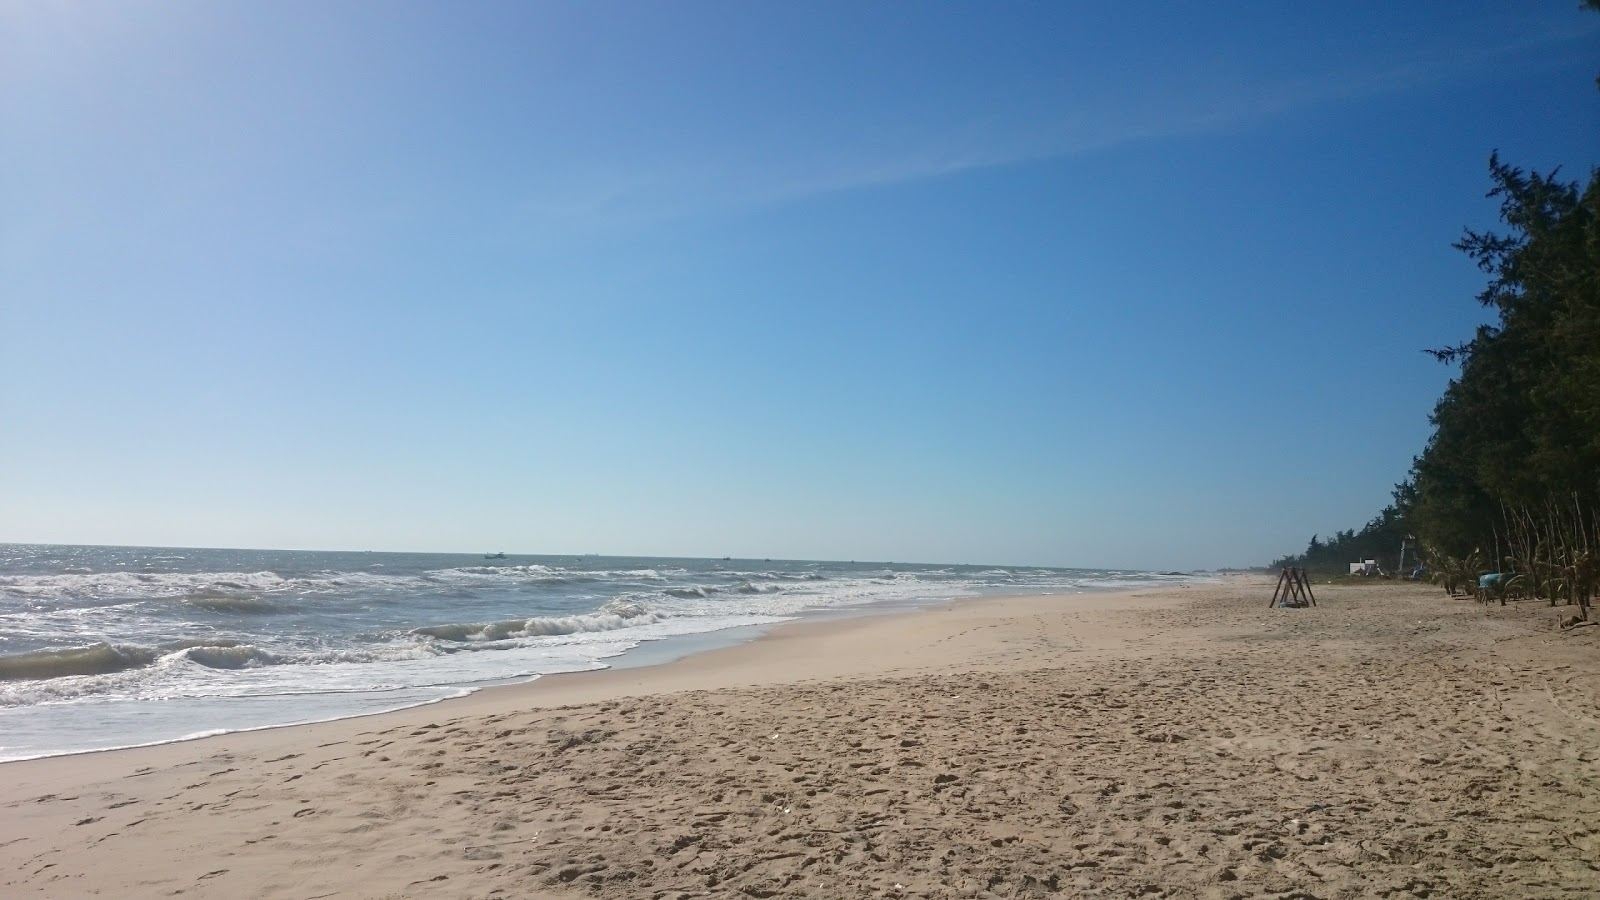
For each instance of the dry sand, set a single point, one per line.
(1173, 743)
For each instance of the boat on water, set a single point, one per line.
(494, 556)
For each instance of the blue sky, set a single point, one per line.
(1137, 285)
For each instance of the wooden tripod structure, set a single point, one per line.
(1293, 590)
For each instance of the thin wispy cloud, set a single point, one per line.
(971, 141)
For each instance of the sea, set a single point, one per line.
(106, 647)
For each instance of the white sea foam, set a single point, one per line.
(237, 639)
(538, 626)
(109, 585)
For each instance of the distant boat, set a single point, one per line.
(494, 556)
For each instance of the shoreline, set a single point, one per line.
(1083, 745)
(238, 641)
(676, 660)
(648, 653)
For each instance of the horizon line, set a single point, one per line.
(508, 555)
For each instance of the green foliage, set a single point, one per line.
(1454, 574)
(1379, 539)
(1511, 474)
(1521, 424)
(1553, 550)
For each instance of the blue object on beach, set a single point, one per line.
(1488, 581)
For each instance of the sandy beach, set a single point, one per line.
(1180, 742)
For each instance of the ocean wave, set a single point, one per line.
(216, 591)
(227, 655)
(534, 572)
(690, 593)
(783, 576)
(898, 578)
(751, 587)
(212, 653)
(240, 605)
(500, 571)
(94, 659)
(542, 576)
(187, 672)
(237, 656)
(746, 583)
(611, 617)
(133, 585)
(640, 574)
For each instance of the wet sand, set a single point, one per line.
(1181, 742)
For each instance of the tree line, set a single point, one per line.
(1510, 478)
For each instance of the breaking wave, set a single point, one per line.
(690, 593)
(254, 593)
(138, 585)
(89, 633)
(613, 616)
(239, 656)
(241, 605)
(105, 659)
(751, 587)
(95, 659)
